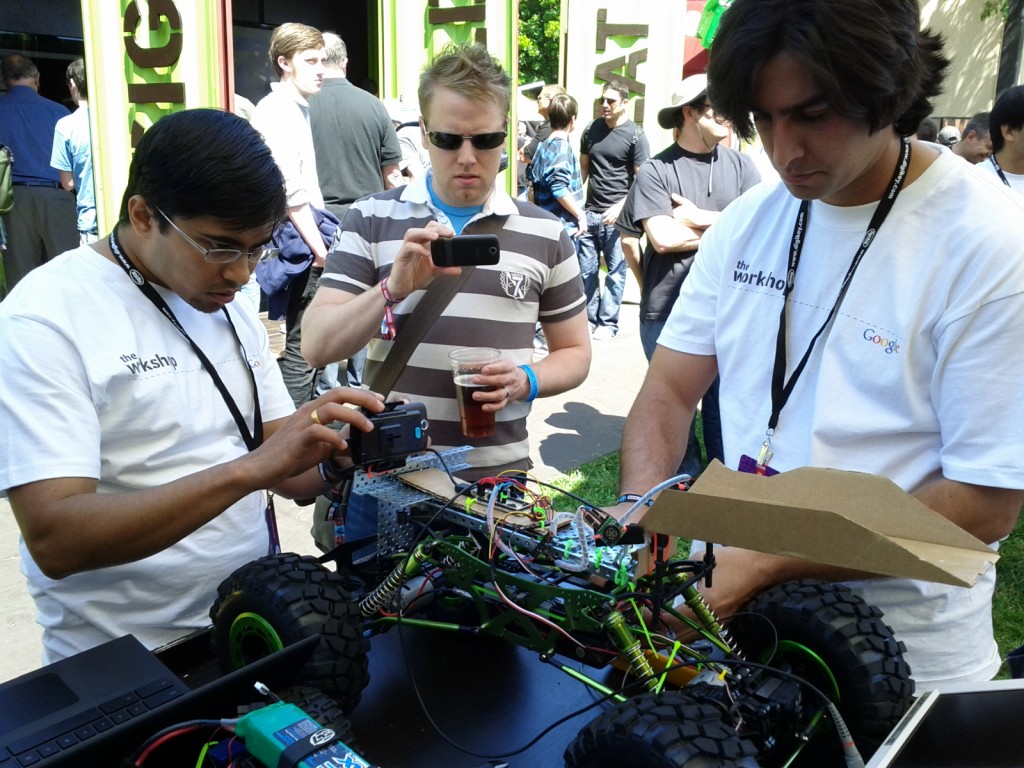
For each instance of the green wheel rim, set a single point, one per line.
(251, 637)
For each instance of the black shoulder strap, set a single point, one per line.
(631, 156)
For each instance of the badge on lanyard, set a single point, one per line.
(759, 466)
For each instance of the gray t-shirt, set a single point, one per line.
(710, 181)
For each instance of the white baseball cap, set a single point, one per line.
(948, 136)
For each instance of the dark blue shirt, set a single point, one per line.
(27, 122)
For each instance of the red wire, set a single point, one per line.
(163, 740)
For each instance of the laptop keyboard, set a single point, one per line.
(84, 725)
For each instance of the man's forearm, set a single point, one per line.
(100, 530)
(302, 217)
(653, 444)
(562, 370)
(987, 513)
(335, 331)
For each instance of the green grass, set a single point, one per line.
(597, 482)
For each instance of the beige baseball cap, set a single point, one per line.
(687, 91)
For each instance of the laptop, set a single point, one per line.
(96, 707)
(974, 725)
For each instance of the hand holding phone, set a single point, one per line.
(465, 250)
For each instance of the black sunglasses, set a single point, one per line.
(452, 141)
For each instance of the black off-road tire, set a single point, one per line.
(852, 640)
(279, 600)
(324, 710)
(667, 730)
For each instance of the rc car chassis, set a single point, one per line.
(804, 661)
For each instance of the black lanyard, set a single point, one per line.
(782, 389)
(252, 441)
(995, 164)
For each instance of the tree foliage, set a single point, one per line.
(538, 40)
(995, 9)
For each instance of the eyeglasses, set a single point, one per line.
(224, 255)
(609, 102)
(452, 141)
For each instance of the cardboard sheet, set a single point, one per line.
(830, 516)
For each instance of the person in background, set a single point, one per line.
(976, 143)
(1005, 165)
(282, 116)
(555, 171)
(357, 154)
(911, 366)
(928, 130)
(177, 419)
(611, 150)
(42, 222)
(947, 137)
(677, 197)
(72, 153)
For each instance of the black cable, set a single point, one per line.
(444, 464)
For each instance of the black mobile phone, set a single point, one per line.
(465, 250)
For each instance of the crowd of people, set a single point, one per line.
(801, 341)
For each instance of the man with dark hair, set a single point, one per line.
(555, 171)
(381, 267)
(282, 116)
(612, 149)
(42, 222)
(72, 153)
(677, 196)
(136, 475)
(1005, 165)
(975, 144)
(353, 138)
(837, 349)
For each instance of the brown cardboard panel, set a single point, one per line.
(846, 519)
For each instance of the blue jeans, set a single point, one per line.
(709, 410)
(599, 240)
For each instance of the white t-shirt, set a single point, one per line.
(98, 384)
(918, 377)
(282, 116)
(1015, 180)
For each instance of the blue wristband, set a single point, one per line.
(534, 386)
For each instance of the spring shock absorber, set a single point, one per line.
(387, 589)
(620, 633)
(706, 616)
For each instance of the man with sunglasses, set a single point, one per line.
(380, 267)
(143, 412)
(612, 149)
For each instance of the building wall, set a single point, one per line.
(973, 47)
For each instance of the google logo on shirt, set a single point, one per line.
(889, 345)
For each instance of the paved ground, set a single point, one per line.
(566, 431)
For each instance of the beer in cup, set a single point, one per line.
(466, 364)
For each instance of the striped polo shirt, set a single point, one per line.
(536, 278)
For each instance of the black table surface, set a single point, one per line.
(488, 697)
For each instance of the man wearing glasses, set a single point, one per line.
(143, 411)
(612, 149)
(382, 261)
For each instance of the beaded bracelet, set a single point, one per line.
(387, 325)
